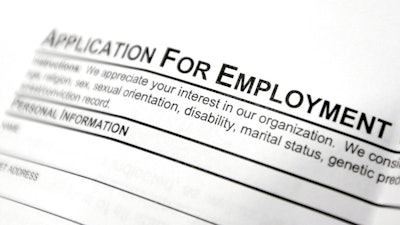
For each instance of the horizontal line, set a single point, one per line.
(215, 148)
(217, 92)
(103, 183)
(185, 164)
(42, 210)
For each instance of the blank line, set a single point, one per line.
(186, 164)
(42, 210)
(215, 148)
(217, 92)
(106, 184)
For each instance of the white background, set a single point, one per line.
(347, 52)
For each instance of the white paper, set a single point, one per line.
(184, 113)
